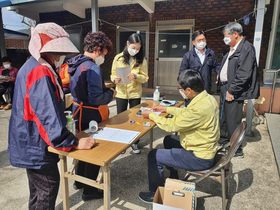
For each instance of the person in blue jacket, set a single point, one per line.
(202, 59)
(37, 119)
(90, 97)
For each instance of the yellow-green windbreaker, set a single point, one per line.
(134, 89)
(198, 124)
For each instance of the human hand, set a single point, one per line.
(131, 76)
(229, 97)
(158, 108)
(118, 80)
(217, 79)
(86, 143)
(146, 113)
(114, 92)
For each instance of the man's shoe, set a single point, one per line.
(9, 106)
(96, 195)
(135, 149)
(239, 154)
(78, 185)
(147, 197)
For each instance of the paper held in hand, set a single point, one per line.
(122, 73)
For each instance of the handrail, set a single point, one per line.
(273, 86)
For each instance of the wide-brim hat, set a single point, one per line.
(50, 37)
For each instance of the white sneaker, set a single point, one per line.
(135, 149)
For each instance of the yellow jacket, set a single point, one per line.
(134, 89)
(198, 124)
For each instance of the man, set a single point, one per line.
(239, 80)
(7, 84)
(202, 59)
(37, 120)
(198, 124)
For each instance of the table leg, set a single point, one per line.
(107, 186)
(151, 138)
(64, 182)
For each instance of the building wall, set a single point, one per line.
(16, 43)
(208, 14)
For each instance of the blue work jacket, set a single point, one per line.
(87, 86)
(37, 120)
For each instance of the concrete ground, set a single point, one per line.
(254, 183)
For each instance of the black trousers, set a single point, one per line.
(122, 103)
(43, 187)
(231, 112)
(6, 87)
(87, 170)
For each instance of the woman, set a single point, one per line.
(132, 56)
(90, 97)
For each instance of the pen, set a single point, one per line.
(138, 123)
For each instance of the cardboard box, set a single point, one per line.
(176, 195)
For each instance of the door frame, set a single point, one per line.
(170, 25)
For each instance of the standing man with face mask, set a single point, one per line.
(201, 59)
(239, 81)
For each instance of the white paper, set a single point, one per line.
(117, 135)
(122, 73)
(149, 109)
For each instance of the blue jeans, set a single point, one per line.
(173, 156)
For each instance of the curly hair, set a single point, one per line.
(97, 41)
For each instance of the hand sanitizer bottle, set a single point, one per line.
(156, 95)
(70, 122)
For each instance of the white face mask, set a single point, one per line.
(57, 64)
(183, 94)
(132, 52)
(227, 40)
(99, 60)
(6, 66)
(201, 45)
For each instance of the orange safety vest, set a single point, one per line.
(103, 111)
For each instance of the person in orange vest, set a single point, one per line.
(65, 79)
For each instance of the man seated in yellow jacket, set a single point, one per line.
(198, 124)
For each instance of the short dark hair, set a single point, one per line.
(197, 33)
(139, 57)
(192, 79)
(6, 59)
(97, 41)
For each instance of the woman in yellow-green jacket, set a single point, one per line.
(131, 93)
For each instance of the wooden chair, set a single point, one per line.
(222, 167)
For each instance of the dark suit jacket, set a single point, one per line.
(192, 61)
(242, 72)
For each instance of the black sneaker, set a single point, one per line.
(95, 195)
(78, 185)
(239, 154)
(135, 148)
(147, 197)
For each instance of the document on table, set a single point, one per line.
(117, 135)
(122, 73)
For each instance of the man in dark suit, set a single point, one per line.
(239, 81)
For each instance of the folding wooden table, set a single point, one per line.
(103, 153)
